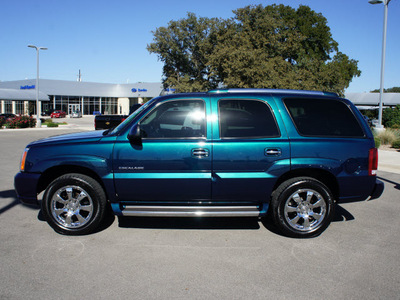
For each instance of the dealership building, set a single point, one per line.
(19, 97)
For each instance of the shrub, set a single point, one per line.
(51, 124)
(388, 136)
(396, 144)
(377, 142)
(2, 122)
(21, 122)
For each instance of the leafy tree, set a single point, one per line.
(261, 47)
(395, 89)
(184, 47)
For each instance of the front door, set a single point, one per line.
(173, 165)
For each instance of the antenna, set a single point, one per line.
(79, 76)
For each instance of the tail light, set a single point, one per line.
(372, 161)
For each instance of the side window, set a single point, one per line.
(322, 117)
(246, 119)
(175, 119)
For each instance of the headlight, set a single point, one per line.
(23, 159)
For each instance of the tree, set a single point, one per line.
(184, 47)
(394, 89)
(261, 47)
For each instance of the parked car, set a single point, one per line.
(76, 114)
(58, 114)
(47, 112)
(111, 121)
(7, 116)
(291, 155)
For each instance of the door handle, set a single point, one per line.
(200, 152)
(273, 152)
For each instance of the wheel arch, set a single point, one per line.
(54, 172)
(323, 176)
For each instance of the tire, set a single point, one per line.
(74, 204)
(302, 207)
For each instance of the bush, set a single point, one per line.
(2, 122)
(21, 122)
(396, 144)
(377, 142)
(388, 136)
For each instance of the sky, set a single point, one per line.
(107, 40)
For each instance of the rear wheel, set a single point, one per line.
(74, 204)
(302, 207)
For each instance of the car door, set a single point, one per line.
(173, 164)
(251, 149)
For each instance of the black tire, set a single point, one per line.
(74, 204)
(302, 207)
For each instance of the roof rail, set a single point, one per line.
(276, 91)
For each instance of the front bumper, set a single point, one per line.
(25, 185)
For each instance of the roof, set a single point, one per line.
(389, 99)
(89, 89)
(25, 95)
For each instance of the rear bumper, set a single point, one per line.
(25, 185)
(378, 189)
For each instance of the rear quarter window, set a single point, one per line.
(323, 117)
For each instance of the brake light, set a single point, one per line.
(372, 161)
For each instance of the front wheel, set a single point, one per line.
(74, 204)
(302, 207)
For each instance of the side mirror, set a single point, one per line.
(134, 136)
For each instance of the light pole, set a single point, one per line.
(386, 3)
(38, 122)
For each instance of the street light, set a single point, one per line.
(38, 122)
(386, 3)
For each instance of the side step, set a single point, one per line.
(191, 211)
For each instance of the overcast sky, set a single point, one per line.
(107, 40)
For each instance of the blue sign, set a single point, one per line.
(138, 90)
(170, 90)
(27, 87)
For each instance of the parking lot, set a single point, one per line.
(357, 257)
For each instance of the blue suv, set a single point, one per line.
(289, 155)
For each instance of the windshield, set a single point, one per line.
(132, 116)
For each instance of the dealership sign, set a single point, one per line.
(138, 90)
(27, 87)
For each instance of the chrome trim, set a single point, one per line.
(191, 211)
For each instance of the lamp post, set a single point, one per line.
(38, 122)
(386, 3)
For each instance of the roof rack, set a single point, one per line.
(276, 91)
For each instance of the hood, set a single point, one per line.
(71, 137)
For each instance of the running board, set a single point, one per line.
(191, 211)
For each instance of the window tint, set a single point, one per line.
(246, 119)
(175, 119)
(319, 117)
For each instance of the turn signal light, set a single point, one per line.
(23, 159)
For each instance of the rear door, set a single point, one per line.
(251, 149)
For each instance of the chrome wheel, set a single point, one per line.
(305, 210)
(71, 206)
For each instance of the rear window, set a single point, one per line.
(323, 117)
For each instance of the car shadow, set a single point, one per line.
(209, 223)
(396, 184)
(11, 194)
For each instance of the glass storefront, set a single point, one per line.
(104, 105)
